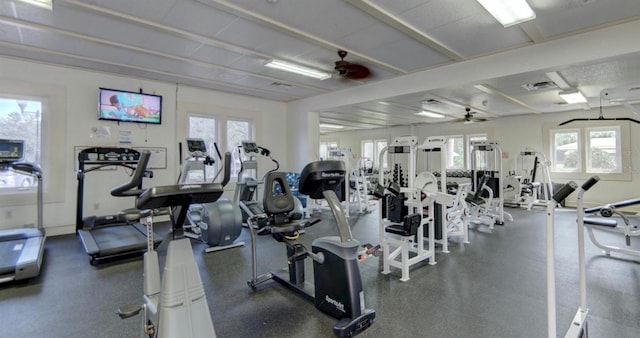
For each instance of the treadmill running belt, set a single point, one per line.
(113, 240)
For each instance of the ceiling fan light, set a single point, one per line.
(430, 114)
(509, 12)
(572, 96)
(297, 69)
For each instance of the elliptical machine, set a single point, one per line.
(246, 192)
(337, 288)
(217, 224)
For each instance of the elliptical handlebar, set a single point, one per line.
(227, 168)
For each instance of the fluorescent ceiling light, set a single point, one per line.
(572, 96)
(330, 126)
(301, 70)
(509, 12)
(430, 114)
(47, 4)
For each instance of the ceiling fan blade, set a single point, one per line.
(356, 72)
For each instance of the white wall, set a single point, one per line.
(515, 134)
(80, 91)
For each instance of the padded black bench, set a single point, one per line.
(612, 223)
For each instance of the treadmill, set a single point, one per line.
(113, 236)
(22, 249)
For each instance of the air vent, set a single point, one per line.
(281, 84)
(540, 85)
(430, 102)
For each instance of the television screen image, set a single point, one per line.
(124, 106)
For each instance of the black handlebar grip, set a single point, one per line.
(590, 182)
(565, 191)
(215, 145)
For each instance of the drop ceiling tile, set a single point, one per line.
(198, 18)
(561, 17)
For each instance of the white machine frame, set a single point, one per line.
(628, 230)
(397, 249)
(578, 326)
(544, 164)
(454, 224)
(495, 206)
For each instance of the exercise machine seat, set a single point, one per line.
(277, 194)
(409, 226)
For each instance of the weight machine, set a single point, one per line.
(487, 206)
(452, 221)
(611, 225)
(402, 218)
(522, 189)
(578, 327)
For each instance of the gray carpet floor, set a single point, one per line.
(493, 287)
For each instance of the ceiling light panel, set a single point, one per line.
(509, 12)
(572, 96)
(297, 69)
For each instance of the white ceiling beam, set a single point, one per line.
(402, 26)
(555, 53)
(496, 93)
(291, 31)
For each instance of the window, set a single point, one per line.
(204, 127)
(380, 144)
(237, 131)
(34, 113)
(587, 148)
(603, 155)
(370, 150)
(455, 152)
(20, 120)
(566, 150)
(324, 148)
(481, 159)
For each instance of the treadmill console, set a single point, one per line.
(11, 150)
(250, 148)
(197, 147)
(105, 155)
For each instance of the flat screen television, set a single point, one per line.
(125, 106)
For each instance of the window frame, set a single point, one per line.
(52, 141)
(624, 147)
(553, 150)
(589, 151)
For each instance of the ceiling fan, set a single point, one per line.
(469, 118)
(350, 70)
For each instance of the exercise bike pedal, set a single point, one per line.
(129, 311)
